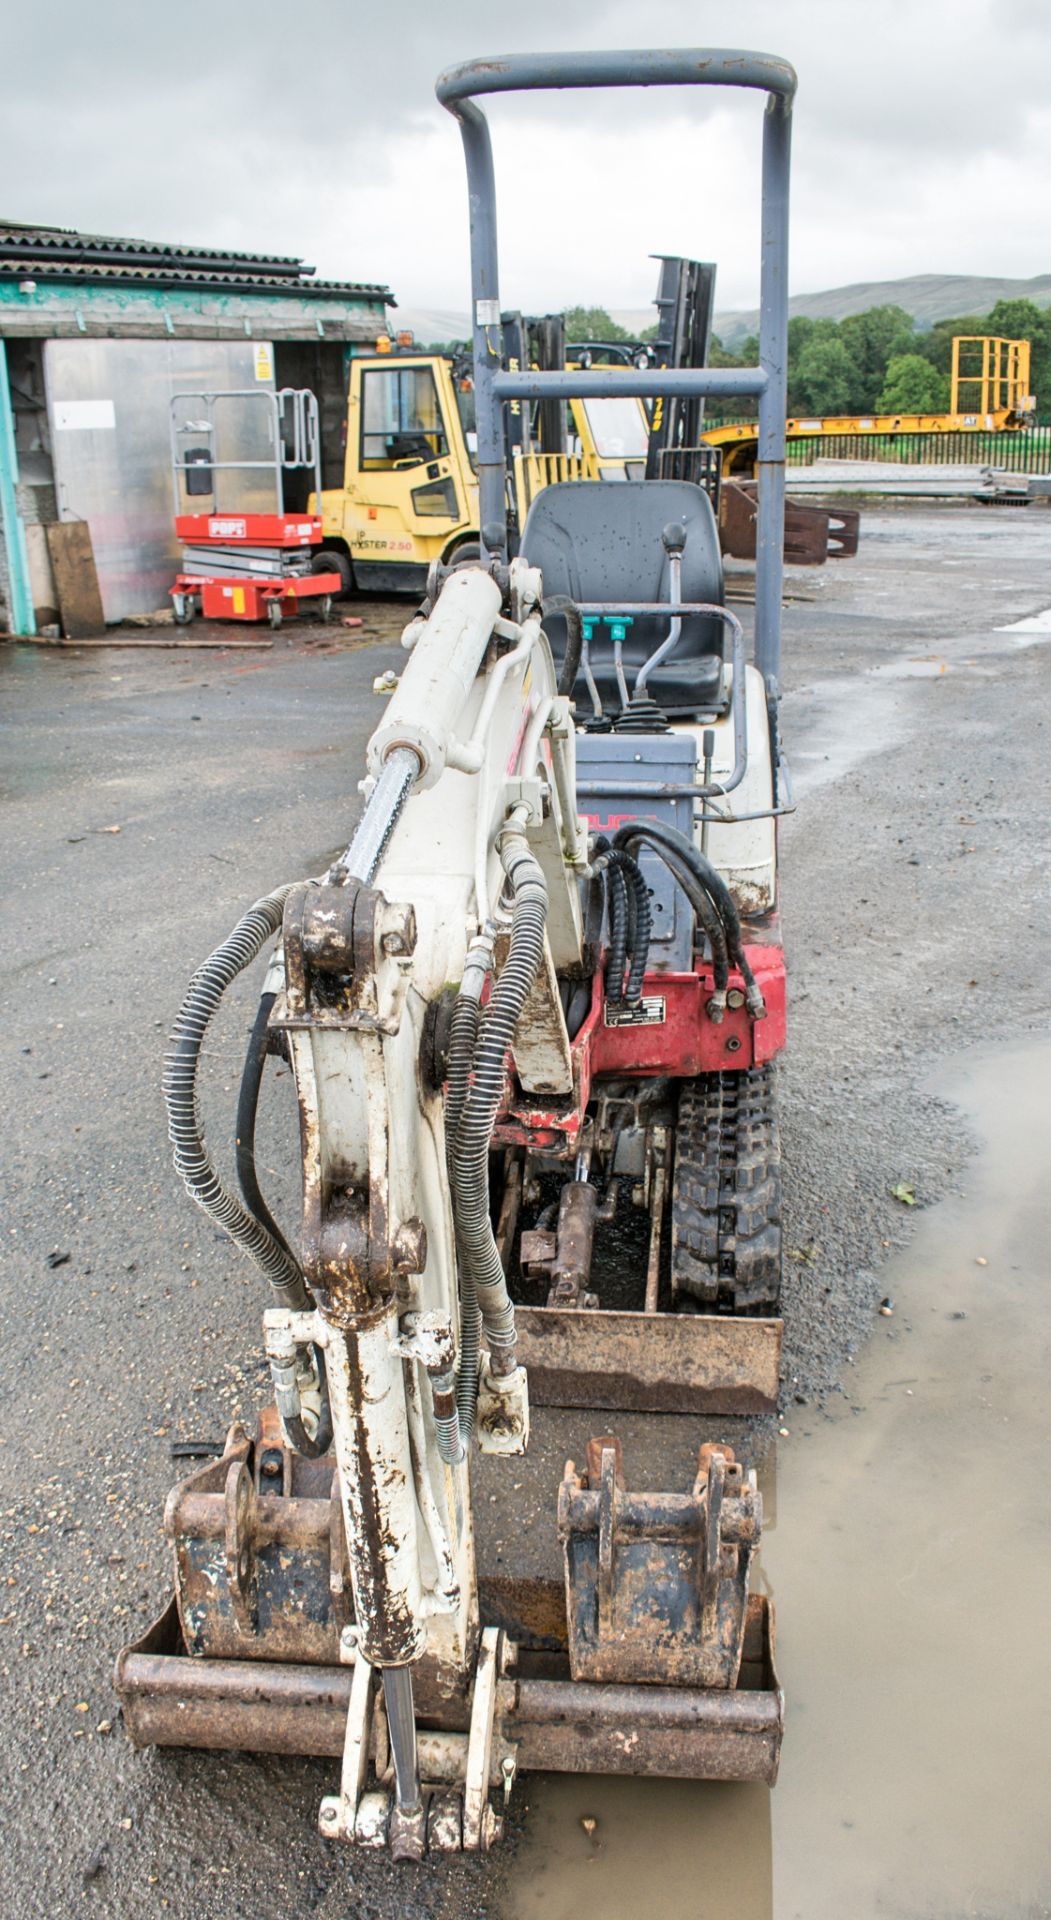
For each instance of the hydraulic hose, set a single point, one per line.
(463, 1039)
(630, 880)
(247, 1109)
(193, 1162)
(185, 1131)
(560, 603)
(706, 911)
(659, 835)
(480, 1259)
(312, 1446)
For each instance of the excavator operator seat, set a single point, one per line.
(604, 543)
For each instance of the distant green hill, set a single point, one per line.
(926, 296)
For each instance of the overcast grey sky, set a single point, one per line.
(922, 139)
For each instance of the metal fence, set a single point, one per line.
(1025, 451)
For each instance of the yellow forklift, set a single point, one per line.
(409, 495)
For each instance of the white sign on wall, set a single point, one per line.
(79, 414)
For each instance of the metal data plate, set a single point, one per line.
(650, 1011)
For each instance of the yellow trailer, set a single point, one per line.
(990, 394)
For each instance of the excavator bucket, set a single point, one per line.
(652, 1629)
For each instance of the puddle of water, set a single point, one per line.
(926, 669)
(1030, 631)
(912, 1563)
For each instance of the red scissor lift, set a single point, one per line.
(240, 563)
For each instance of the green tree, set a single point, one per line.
(804, 333)
(1017, 320)
(912, 385)
(1012, 320)
(936, 346)
(1023, 320)
(720, 356)
(825, 374)
(872, 339)
(592, 323)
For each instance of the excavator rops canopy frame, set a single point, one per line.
(537, 72)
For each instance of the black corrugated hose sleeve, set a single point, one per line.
(626, 883)
(463, 1037)
(617, 913)
(470, 1156)
(657, 833)
(706, 911)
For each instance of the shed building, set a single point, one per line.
(96, 336)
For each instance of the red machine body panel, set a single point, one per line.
(673, 1036)
(224, 598)
(249, 529)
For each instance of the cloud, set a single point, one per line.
(921, 140)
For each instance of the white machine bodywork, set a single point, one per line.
(495, 741)
(493, 735)
(746, 853)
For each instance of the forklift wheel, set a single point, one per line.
(330, 560)
(183, 609)
(273, 613)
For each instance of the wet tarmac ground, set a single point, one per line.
(146, 799)
(910, 1557)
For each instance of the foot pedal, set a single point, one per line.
(657, 1583)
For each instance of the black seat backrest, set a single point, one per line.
(596, 541)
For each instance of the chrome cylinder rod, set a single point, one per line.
(400, 770)
(401, 1719)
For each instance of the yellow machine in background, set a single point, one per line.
(990, 394)
(990, 381)
(409, 494)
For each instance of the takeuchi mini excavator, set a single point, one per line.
(532, 1013)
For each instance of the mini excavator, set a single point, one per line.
(538, 998)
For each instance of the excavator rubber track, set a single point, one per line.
(726, 1192)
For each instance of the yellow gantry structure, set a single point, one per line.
(990, 375)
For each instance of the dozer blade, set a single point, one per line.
(650, 1362)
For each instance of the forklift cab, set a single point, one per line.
(409, 487)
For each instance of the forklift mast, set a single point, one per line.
(685, 300)
(531, 341)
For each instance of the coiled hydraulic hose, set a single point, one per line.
(624, 876)
(707, 913)
(666, 838)
(463, 1039)
(193, 1162)
(481, 1265)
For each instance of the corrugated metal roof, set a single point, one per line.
(60, 253)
